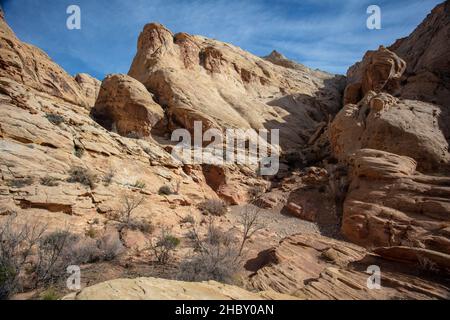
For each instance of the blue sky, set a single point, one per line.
(327, 34)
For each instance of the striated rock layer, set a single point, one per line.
(394, 135)
(199, 79)
(161, 289)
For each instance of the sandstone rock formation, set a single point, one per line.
(425, 52)
(29, 65)
(126, 107)
(393, 133)
(376, 168)
(405, 127)
(195, 78)
(379, 70)
(320, 268)
(161, 289)
(89, 86)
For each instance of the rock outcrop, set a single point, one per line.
(126, 107)
(89, 86)
(199, 79)
(405, 127)
(161, 289)
(379, 70)
(393, 133)
(29, 65)
(320, 268)
(425, 51)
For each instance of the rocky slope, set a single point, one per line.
(393, 134)
(370, 164)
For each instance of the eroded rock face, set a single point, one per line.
(199, 79)
(316, 267)
(29, 65)
(379, 71)
(391, 204)
(161, 289)
(89, 86)
(405, 127)
(126, 107)
(428, 62)
(393, 132)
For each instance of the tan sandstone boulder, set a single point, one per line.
(428, 62)
(90, 87)
(126, 107)
(162, 289)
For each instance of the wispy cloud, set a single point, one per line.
(325, 34)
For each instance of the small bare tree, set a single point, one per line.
(165, 244)
(251, 223)
(215, 256)
(130, 202)
(16, 244)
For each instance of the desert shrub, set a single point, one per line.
(251, 222)
(139, 184)
(215, 257)
(49, 294)
(110, 247)
(214, 207)
(55, 119)
(188, 219)
(79, 152)
(54, 253)
(28, 255)
(165, 244)
(108, 178)
(83, 176)
(16, 244)
(49, 181)
(91, 232)
(255, 193)
(21, 182)
(141, 225)
(165, 190)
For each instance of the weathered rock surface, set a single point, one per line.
(428, 62)
(316, 267)
(391, 204)
(161, 289)
(199, 79)
(126, 107)
(379, 70)
(29, 65)
(90, 87)
(405, 127)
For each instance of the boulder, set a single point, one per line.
(162, 289)
(90, 87)
(125, 106)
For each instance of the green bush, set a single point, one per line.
(83, 176)
(165, 190)
(55, 119)
(49, 181)
(214, 207)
